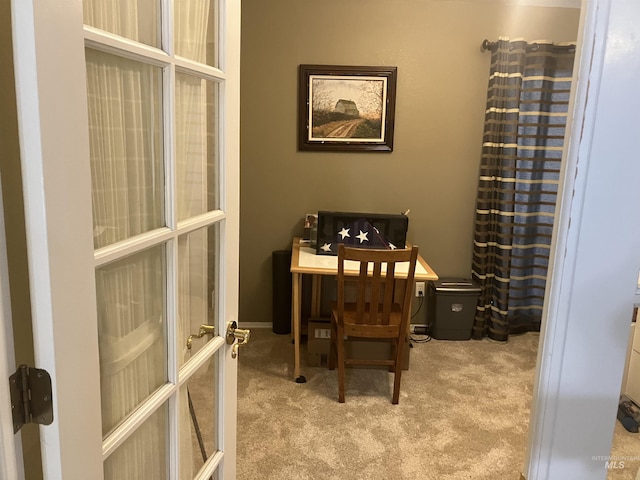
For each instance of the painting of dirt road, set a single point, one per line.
(346, 108)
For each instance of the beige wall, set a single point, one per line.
(441, 94)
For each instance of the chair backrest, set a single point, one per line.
(376, 283)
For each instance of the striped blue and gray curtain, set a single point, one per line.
(526, 114)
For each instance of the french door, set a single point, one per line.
(129, 131)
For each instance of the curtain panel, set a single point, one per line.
(525, 119)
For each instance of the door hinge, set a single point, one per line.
(31, 397)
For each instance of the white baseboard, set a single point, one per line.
(270, 325)
(256, 325)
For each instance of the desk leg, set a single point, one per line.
(316, 296)
(296, 294)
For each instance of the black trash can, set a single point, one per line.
(281, 285)
(452, 307)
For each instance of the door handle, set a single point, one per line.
(234, 333)
(204, 330)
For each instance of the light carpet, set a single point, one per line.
(463, 414)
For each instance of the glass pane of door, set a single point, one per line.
(197, 288)
(196, 145)
(196, 30)
(125, 119)
(137, 20)
(144, 454)
(198, 427)
(131, 333)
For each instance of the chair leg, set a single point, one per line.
(394, 352)
(340, 345)
(397, 376)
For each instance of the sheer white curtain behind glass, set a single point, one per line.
(126, 147)
(196, 177)
(193, 160)
(196, 171)
(191, 147)
(197, 274)
(195, 167)
(195, 30)
(125, 114)
(134, 19)
(127, 195)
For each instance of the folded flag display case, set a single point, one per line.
(360, 230)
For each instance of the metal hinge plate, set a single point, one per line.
(31, 397)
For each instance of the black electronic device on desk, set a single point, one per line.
(360, 230)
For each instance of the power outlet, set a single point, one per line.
(419, 289)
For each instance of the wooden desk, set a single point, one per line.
(304, 261)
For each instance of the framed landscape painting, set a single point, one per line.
(344, 108)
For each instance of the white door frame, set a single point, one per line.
(596, 256)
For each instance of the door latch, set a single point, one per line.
(31, 397)
(234, 333)
(204, 330)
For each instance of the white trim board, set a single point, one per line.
(256, 325)
(528, 3)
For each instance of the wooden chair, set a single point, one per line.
(374, 314)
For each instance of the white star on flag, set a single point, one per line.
(344, 232)
(363, 236)
(326, 247)
(392, 246)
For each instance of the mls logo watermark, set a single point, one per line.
(615, 462)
